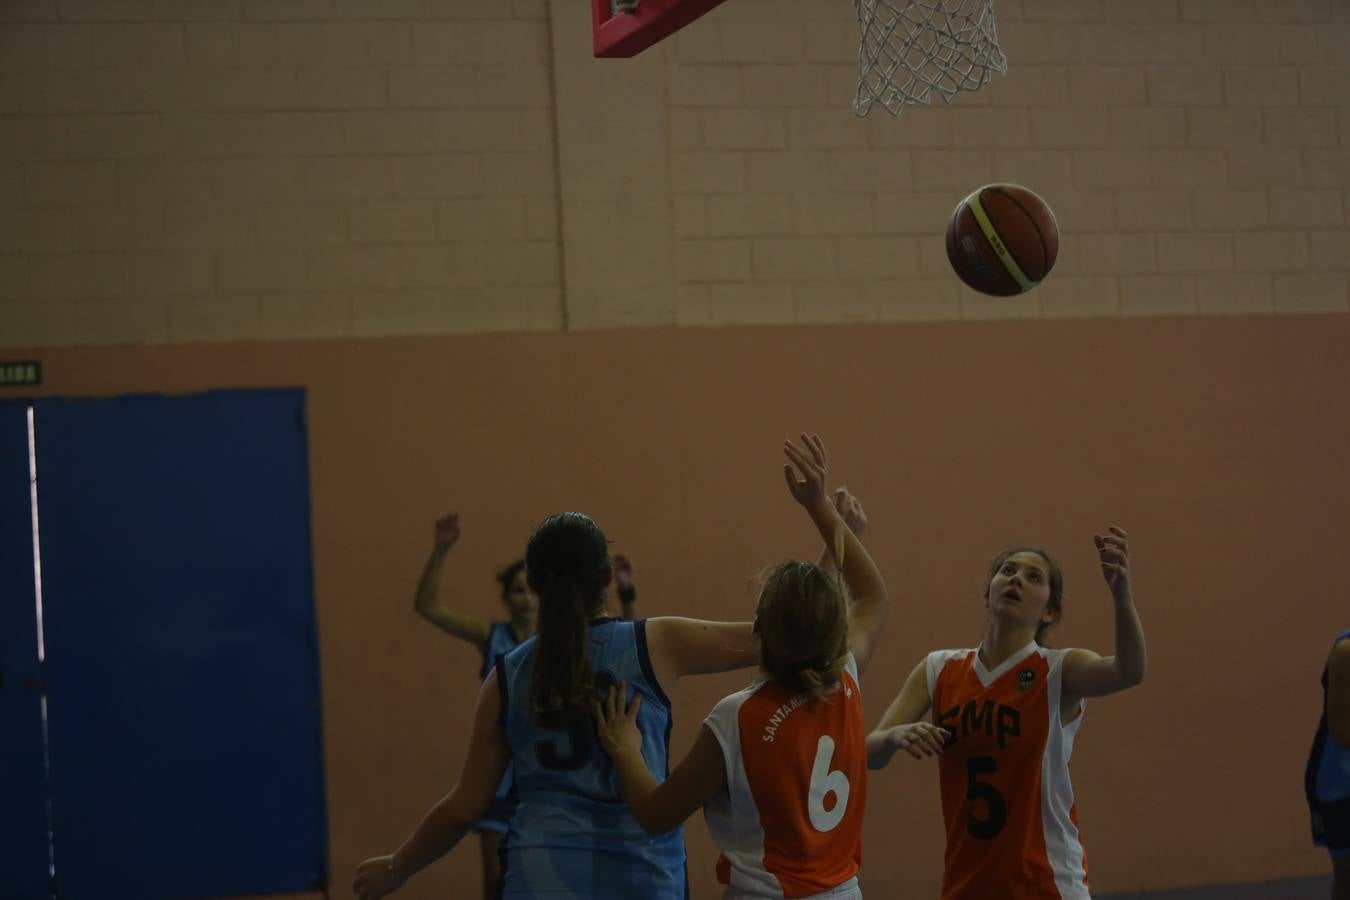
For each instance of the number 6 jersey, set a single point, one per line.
(789, 823)
(1008, 805)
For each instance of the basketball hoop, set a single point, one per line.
(913, 48)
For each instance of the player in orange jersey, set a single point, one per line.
(781, 766)
(1013, 707)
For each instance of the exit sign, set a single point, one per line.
(23, 372)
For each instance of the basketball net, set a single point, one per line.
(913, 48)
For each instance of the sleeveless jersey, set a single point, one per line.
(789, 823)
(501, 640)
(571, 834)
(1007, 802)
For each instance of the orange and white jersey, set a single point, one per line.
(1008, 805)
(789, 823)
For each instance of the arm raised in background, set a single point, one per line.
(446, 823)
(627, 590)
(428, 602)
(1087, 674)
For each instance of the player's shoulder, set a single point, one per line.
(936, 660)
(724, 720)
(1074, 654)
(941, 666)
(730, 706)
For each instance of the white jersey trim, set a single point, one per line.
(1063, 844)
(935, 663)
(988, 676)
(732, 816)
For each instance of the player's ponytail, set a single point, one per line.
(567, 565)
(819, 678)
(803, 627)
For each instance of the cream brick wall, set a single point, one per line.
(254, 169)
(184, 170)
(1195, 152)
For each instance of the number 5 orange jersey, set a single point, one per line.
(1008, 805)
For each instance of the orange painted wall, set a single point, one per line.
(1221, 445)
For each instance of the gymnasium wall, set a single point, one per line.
(1220, 444)
(204, 170)
(402, 204)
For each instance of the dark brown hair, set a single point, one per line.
(567, 564)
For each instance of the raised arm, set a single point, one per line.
(900, 728)
(1338, 693)
(854, 516)
(680, 646)
(428, 600)
(627, 590)
(446, 823)
(868, 612)
(657, 807)
(1086, 674)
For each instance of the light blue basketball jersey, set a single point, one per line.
(571, 834)
(501, 641)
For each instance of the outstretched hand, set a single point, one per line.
(1114, 551)
(919, 739)
(447, 531)
(375, 878)
(623, 573)
(812, 464)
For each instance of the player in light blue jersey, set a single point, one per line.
(1327, 779)
(571, 834)
(493, 640)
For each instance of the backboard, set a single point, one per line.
(622, 34)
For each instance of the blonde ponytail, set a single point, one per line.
(803, 624)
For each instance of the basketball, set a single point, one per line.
(1002, 240)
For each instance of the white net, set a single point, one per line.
(914, 48)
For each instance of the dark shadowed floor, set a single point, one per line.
(1299, 889)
